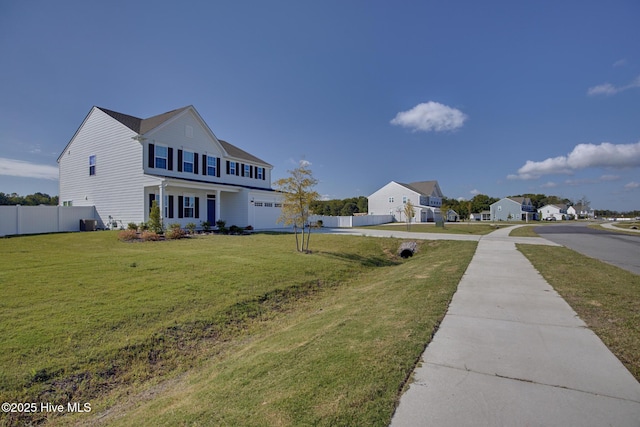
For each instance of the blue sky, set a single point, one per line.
(495, 97)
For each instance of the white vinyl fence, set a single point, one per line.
(351, 221)
(42, 219)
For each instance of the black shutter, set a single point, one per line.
(152, 155)
(179, 160)
(195, 163)
(228, 167)
(152, 197)
(218, 167)
(170, 159)
(180, 206)
(197, 214)
(170, 206)
(264, 174)
(205, 165)
(251, 171)
(242, 167)
(237, 169)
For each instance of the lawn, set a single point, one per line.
(165, 332)
(449, 227)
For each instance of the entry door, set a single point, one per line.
(211, 211)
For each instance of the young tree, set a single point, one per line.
(298, 195)
(155, 222)
(409, 212)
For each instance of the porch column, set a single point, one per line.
(217, 207)
(161, 202)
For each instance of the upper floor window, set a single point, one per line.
(232, 168)
(390, 199)
(92, 165)
(212, 166)
(404, 199)
(247, 170)
(161, 157)
(187, 161)
(260, 173)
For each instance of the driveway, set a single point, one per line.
(614, 248)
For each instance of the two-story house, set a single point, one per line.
(513, 209)
(425, 196)
(120, 164)
(552, 213)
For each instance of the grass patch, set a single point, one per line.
(525, 231)
(326, 338)
(450, 228)
(605, 297)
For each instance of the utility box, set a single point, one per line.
(88, 225)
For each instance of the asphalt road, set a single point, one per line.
(614, 248)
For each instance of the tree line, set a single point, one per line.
(29, 200)
(343, 207)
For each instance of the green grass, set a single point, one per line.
(526, 231)
(224, 330)
(450, 228)
(606, 298)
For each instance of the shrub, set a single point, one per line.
(175, 232)
(132, 226)
(127, 235)
(206, 226)
(155, 221)
(234, 229)
(191, 227)
(248, 228)
(150, 236)
(222, 226)
(143, 226)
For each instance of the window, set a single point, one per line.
(189, 207)
(278, 205)
(390, 199)
(67, 203)
(211, 166)
(268, 204)
(187, 161)
(92, 165)
(232, 168)
(259, 204)
(404, 199)
(260, 173)
(247, 170)
(166, 206)
(161, 157)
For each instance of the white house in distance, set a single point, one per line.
(425, 196)
(120, 164)
(552, 211)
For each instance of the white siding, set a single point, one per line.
(173, 134)
(389, 200)
(117, 187)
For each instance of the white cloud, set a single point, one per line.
(632, 185)
(581, 157)
(430, 116)
(475, 191)
(620, 63)
(609, 89)
(19, 168)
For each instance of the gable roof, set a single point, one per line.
(424, 188)
(142, 126)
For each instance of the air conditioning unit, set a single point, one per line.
(88, 225)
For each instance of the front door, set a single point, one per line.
(211, 211)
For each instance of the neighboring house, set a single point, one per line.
(513, 209)
(481, 216)
(425, 196)
(452, 216)
(552, 211)
(581, 211)
(120, 164)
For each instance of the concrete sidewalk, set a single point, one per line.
(511, 352)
